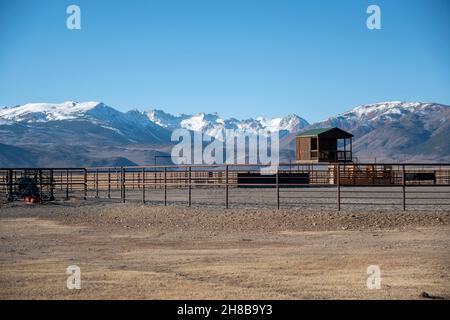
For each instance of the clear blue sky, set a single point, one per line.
(239, 58)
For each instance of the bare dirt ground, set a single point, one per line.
(132, 251)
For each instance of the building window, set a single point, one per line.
(313, 143)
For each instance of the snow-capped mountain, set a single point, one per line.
(92, 133)
(108, 117)
(394, 130)
(133, 125)
(385, 112)
(213, 124)
(369, 117)
(42, 112)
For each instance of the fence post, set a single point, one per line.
(165, 186)
(41, 192)
(85, 184)
(338, 181)
(143, 185)
(52, 186)
(277, 181)
(190, 187)
(404, 186)
(109, 183)
(96, 183)
(226, 186)
(118, 180)
(373, 174)
(10, 185)
(67, 184)
(123, 184)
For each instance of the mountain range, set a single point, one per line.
(95, 134)
(213, 124)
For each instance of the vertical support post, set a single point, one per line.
(277, 182)
(351, 149)
(226, 186)
(190, 187)
(10, 185)
(109, 183)
(139, 180)
(52, 185)
(123, 184)
(338, 181)
(345, 149)
(96, 183)
(404, 186)
(318, 148)
(373, 174)
(165, 186)
(154, 173)
(143, 185)
(41, 194)
(67, 184)
(85, 184)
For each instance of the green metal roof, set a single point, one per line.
(313, 132)
(326, 132)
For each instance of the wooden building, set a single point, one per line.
(324, 145)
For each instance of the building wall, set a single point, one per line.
(303, 148)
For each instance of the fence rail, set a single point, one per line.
(400, 186)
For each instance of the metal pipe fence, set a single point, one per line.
(328, 186)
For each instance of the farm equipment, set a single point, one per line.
(32, 187)
(27, 189)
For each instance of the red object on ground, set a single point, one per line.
(32, 200)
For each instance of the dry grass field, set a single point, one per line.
(132, 251)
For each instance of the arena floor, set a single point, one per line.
(132, 251)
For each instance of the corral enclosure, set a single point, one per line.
(375, 186)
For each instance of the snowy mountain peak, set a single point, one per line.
(212, 124)
(97, 112)
(42, 112)
(370, 115)
(164, 119)
(393, 109)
